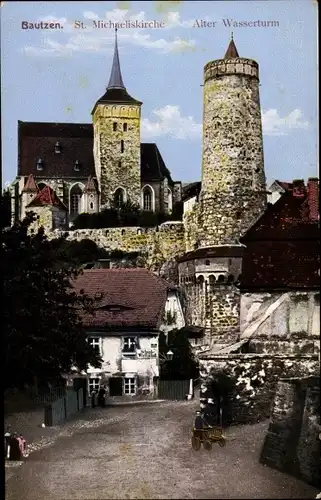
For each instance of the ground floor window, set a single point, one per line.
(93, 384)
(129, 386)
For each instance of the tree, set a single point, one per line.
(183, 366)
(43, 331)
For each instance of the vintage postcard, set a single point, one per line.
(160, 223)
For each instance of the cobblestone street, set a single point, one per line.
(144, 451)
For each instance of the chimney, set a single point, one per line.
(313, 198)
(299, 190)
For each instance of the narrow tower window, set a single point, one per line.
(121, 146)
(125, 127)
(119, 164)
(39, 164)
(114, 126)
(119, 197)
(57, 148)
(77, 166)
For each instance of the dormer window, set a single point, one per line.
(57, 148)
(77, 166)
(39, 164)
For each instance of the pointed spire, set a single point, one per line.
(30, 186)
(90, 185)
(231, 52)
(115, 80)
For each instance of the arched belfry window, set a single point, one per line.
(147, 199)
(119, 196)
(75, 199)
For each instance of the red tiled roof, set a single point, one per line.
(139, 294)
(283, 246)
(31, 185)
(47, 196)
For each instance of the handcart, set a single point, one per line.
(207, 436)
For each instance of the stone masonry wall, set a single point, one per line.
(114, 168)
(157, 245)
(287, 323)
(292, 443)
(233, 179)
(191, 225)
(254, 378)
(215, 308)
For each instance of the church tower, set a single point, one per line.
(116, 121)
(233, 193)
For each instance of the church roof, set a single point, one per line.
(30, 186)
(283, 246)
(47, 196)
(116, 90)
(37, 140)
(231, 52)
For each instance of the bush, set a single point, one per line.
(126, 215)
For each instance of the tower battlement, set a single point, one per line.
(224, 67)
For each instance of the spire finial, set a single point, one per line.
(231, 52)
(116, 80)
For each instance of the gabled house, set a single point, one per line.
(132, 306)
(276, 189)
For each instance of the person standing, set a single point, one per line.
(93, 398)
(102, 396)
(15, 452)
(22, 445)
(210, 413)
(7, 437)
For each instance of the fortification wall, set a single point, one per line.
(157, 244)
(253, 380)
(292, 443)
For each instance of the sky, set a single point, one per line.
(58, 75)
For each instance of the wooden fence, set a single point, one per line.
(58, 411)
(173, 389)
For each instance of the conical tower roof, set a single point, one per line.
(47, 196)
(31, 185)
(231, 52)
